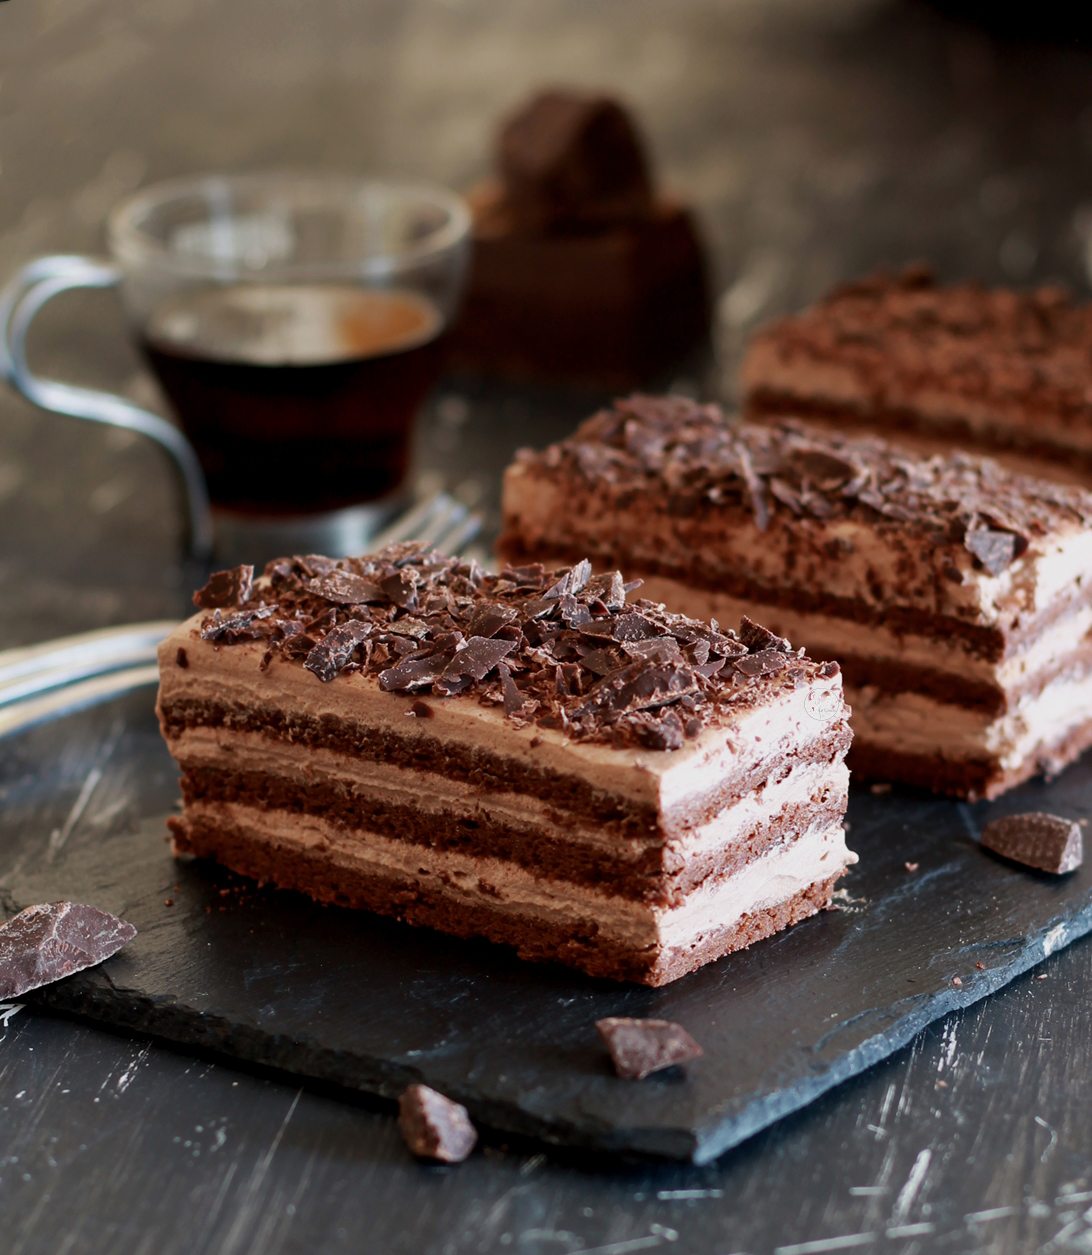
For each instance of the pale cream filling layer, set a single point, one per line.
(433, 794)
(911, 723)
(826, 636)
(781, 874)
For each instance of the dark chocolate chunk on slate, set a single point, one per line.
(640, 1047)
(1046, 842)
(225, 589)
(995, 550)
(757, 638)
(48, 942)
(435, 1127)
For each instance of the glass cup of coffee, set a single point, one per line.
(295, 324)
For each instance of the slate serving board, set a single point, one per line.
(345, 997)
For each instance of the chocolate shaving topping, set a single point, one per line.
(477, 658)
(225, 589)
(433, 1126)
(564, 649)
(1046, 842)
(48, 942)
(236, 627)
(680, 458)
(758, 638)
(609, 589)
(345, 589)
(995, 550)
(640, 1047)
(765, 662)
(333, 652)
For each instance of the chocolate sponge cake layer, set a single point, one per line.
(534, 757)
(957, 596)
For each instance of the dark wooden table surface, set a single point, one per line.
(818, 139)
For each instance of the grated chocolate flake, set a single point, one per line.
(333, 653)
(563, 649)
(344, 588)
(765, 662)
(236, 627)
(758, 638)
(995, 550)
(225, 589)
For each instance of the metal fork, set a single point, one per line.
(40, 681)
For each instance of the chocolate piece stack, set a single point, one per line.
(581, 272)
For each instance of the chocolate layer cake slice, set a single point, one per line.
(957, 596)
(937, 368)
(535, 757)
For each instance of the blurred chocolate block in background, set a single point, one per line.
(582, 273)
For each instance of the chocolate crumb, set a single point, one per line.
(433, 1126)
(980, 965)
(640, 1047)
(181, 658)
(421, 709)
(1045, 842)
(225, 589)
(168, 901)
(48, 942)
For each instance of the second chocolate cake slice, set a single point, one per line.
(957, 596)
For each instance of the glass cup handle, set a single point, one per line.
(22, 298)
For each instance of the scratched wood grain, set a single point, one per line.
(818, 138)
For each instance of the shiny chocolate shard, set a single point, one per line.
(333, 653)
(1045, 842)
(995, 550)
(49, 942)
(477, 658)
(765, 662)
(757, 638)
(344, 588)
(610, 589)
(640, 1047)
(225, 589)
(435, 1127)
(236, 627)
